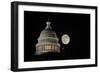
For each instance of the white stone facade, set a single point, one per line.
(47, 41)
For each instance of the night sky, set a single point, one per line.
(77, 26)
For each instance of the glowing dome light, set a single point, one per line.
(47, 41)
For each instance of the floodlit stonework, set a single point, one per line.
(47, 41)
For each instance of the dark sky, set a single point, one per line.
(77, 26)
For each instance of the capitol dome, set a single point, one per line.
(47, 41)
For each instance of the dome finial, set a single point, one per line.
(48, 24)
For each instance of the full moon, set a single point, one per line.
(65, 39)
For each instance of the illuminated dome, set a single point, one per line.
(47, 41)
